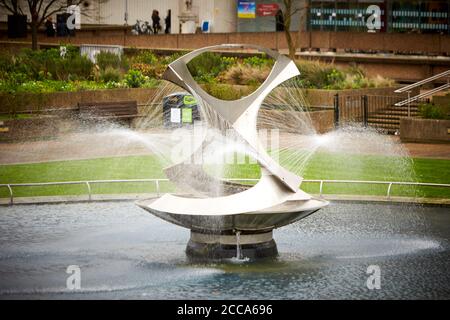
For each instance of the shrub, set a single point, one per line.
(206, 63)
(107, 60)
(258, 61)
(169, 59)
(244, 74)
(335, 79)
(48, 64)
(227, 92)
(313, 74)
(17, 78)
(155, 70)
(207, 66)
(110, 75)
(36, 63)
(78, 67)
(431, 111)
(229, 61)
(147, 57)
(6, 64)
(144, 68)
(134, 79)
(150, 83)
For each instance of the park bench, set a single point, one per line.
(111, 111)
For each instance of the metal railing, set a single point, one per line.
(425, 94)
(422, 82)
(157, 182)
(87, 183)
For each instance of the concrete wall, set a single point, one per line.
(323, 121)
(424, 130)
(69, 100)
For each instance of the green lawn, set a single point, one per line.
(320, 166)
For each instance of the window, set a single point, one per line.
(421, 16)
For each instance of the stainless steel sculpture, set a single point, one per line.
(247, 215)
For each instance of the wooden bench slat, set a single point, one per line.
(109, 110)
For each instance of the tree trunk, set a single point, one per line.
(287, 27)
(291, 44)
(34, 40)
(34, 30)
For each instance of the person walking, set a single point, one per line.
(167, 21)
(156, 21)
(50, 27)
(279, 21)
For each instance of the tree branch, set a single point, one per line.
(13, 8)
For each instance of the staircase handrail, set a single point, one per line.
(422, 82)
(422, 95)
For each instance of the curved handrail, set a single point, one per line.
(157, 181)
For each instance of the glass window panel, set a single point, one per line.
(397, 15)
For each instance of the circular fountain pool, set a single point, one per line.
(123, 252)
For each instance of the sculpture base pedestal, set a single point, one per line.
(209, 246)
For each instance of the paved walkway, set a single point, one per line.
(431, 150)
(124, 142)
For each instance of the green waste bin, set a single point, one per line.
(180, 109)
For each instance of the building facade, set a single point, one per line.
(221, 14)
(419, 16)
(226, 16)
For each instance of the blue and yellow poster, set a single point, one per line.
(246, 9)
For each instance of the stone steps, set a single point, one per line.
(389, 120)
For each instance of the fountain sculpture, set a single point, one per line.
(243, 218)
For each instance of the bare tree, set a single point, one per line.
(40, 11)
(290, 9)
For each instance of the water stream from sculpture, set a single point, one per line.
(293, 144)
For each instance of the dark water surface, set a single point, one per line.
(125, 253)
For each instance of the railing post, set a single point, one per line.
(409, 103)
(336, 110)
(89, 190)
(365, 111)
(321, 188)
(157, 187)
(389, 190)
(11, 198)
